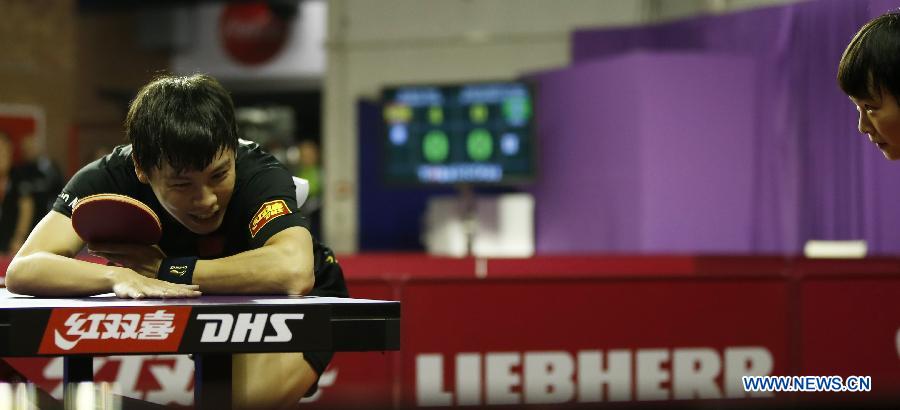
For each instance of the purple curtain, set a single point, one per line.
(810, 174)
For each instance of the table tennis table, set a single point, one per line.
(211, 328)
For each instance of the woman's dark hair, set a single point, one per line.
(185, 120)
(871, 61)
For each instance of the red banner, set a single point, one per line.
(568, 341)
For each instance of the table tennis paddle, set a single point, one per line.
(106, 218)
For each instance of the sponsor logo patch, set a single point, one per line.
(266, 213)
(115, 330)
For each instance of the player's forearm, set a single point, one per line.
(273, 269)
(47, 274)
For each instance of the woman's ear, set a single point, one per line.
(141, 175)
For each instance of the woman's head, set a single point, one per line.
(869, 73)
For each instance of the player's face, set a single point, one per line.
(879, 119)
(197, 199)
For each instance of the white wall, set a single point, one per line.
(371, 44)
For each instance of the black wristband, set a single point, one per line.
(177, 270)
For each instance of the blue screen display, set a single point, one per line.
(472, 133)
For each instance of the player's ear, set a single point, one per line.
(142, 176)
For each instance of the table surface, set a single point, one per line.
(12, 301)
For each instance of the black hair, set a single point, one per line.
(185, 120)
(871, 61)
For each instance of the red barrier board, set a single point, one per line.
(852, 327)
(565, 341)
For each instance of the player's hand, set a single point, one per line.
(128, 284)
(143, 259)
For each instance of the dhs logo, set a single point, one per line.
(259, 329)
(247, 327)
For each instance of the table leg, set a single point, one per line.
(78, 369)
(212, 381)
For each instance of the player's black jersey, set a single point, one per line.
(263, 204)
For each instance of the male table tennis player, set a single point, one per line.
(228, 212)
(869, 73)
